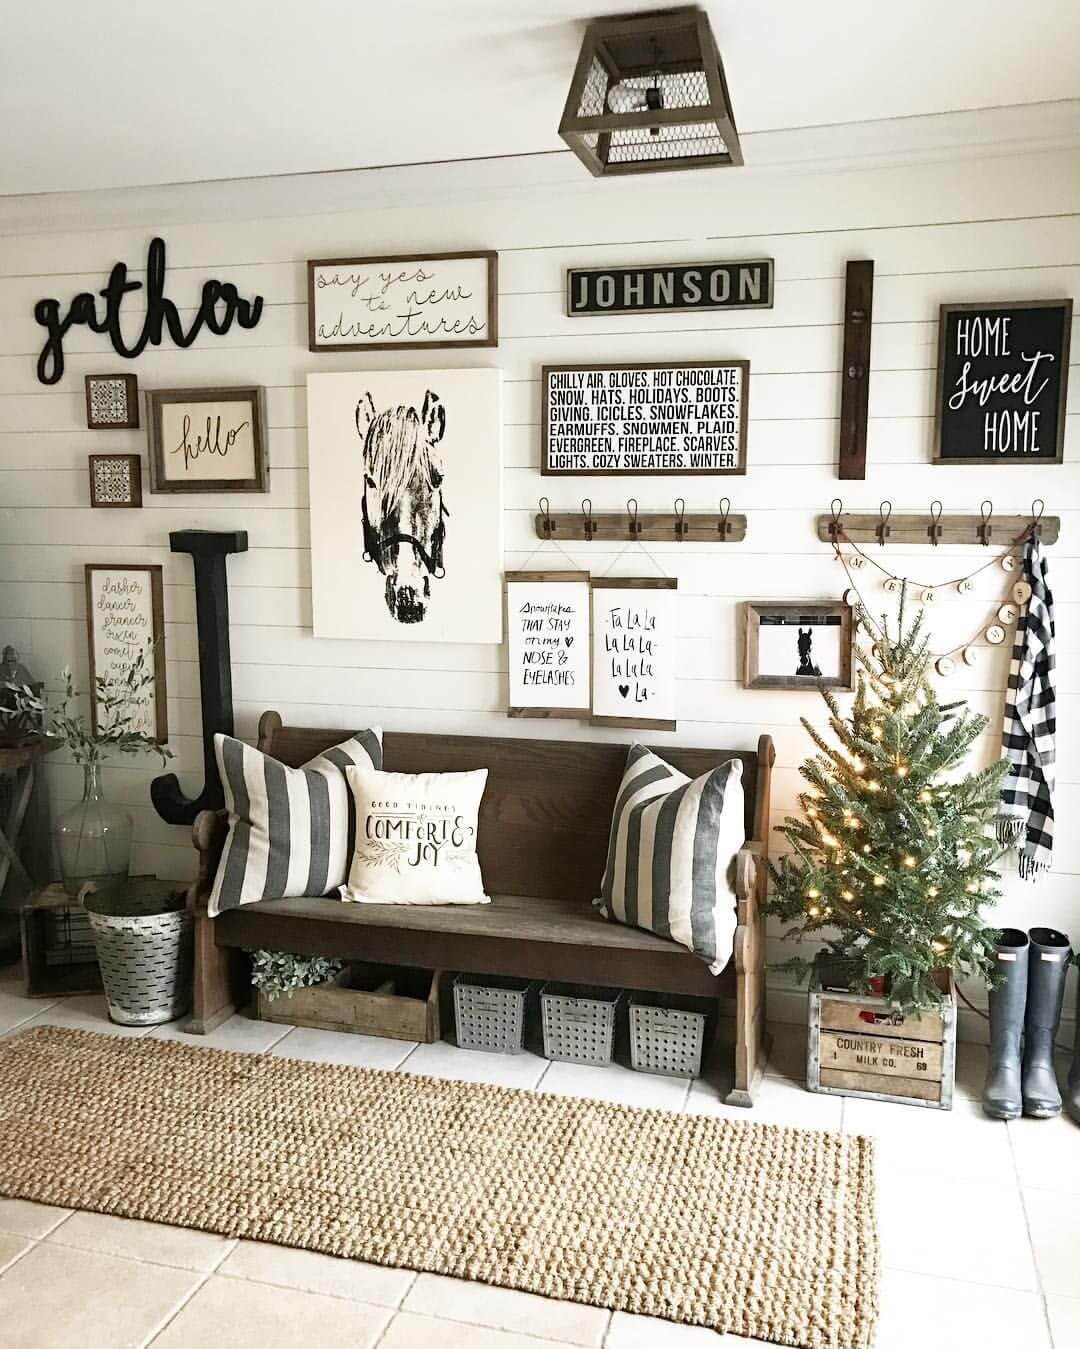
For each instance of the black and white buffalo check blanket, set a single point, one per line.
(1026, 812)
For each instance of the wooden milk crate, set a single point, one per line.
(397, 1004)
(860, 1046)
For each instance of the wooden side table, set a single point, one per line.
(18, 762)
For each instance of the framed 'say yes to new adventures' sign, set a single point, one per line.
(673, 417)
(407, 301)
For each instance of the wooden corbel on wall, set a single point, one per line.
(855, 374)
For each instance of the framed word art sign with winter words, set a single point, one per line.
(1001, 382)
(547, 638)
(796, 645)
(409, 301)
(207, 440)
(125, 622)
(633, 669)
(644, 419)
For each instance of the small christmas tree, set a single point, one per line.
(894, 861)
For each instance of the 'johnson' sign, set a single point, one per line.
(660, 289)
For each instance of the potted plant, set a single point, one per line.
(892, 863)
(93, 838)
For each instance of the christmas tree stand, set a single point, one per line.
(860, 1045)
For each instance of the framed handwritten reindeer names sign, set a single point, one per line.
(125, 619)
(634, 624)
(404, 302)
(207, 440)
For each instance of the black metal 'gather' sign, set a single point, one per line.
(1002, 376)
(219, 305)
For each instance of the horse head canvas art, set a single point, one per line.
(405, 485)
(404, 515)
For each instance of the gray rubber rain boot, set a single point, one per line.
(1072, 1089)
(1001, 1092)
(1048, 963)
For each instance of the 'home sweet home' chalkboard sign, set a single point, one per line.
(1002, 376)
(670, 417)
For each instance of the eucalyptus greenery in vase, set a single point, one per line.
(93, 838)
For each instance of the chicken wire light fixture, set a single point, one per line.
(649, 94)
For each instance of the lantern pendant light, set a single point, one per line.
(648, 95)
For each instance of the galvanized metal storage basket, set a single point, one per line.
(144, 948)
(667, 1035)
(489, 1012)
(579, 1023)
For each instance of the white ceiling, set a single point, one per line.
(111, 93)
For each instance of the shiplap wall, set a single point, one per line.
(985, 230)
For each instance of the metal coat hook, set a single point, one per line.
(549, 524)
(634, 524)
(836, 524)
(589, 522)
(723, 525)
(934, 531)
(986, 510)
(680, 519)
(1036, 517)
(883, 531)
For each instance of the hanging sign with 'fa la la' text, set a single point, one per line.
(633, 668)
(671, 417)
(669, 288)
(1002, 376)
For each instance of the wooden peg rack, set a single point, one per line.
(652, 527)
(916, 529)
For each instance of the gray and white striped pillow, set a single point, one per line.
(671, 855)
(291, 830)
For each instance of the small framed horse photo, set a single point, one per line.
(406, 505)
(798, 644)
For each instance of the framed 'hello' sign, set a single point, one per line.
(207, 440)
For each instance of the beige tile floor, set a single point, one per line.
(980, 1229)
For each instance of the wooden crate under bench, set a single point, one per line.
(859, 1045)
(400, 1004)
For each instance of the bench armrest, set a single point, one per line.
(208, 833)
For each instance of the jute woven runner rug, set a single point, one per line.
(748, 1228)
